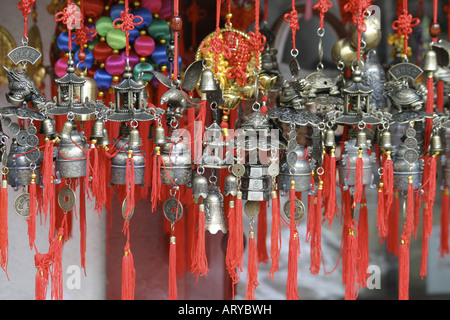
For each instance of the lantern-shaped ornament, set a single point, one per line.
(70, 94)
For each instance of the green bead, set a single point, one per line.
(144, 67)
(116, 39)
(159, 29)
(103, 26)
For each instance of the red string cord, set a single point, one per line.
(292, 19)
(357, 8)
(25, 7)
(127, 24)
(322, 6)
(404, 24)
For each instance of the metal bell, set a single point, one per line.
(436, 144)
(200, 187)
(386, 141)
(134, 140)
(160, 135)
(66, 131)
(330, 140)
(430, 63)
(361, 139)
(207, 81)
(214, 212)
(231, 185)
(97, 129)
(104, 140)
(48, 128)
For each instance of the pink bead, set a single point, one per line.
(115, 65)
(152, 5)
(60, 67)
(133, 58)
(144, 45)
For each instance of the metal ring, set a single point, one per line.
(201, 170)
(320, 32)
(294, 53)
(207, 60)
(256, 106)
(213, 179)
(320, 171)
(33, 166)
(380, 171)
(173, 191)
(82, 72)
(25, 41)
(322, 126)
(320, 66)
(357, 63)
(70, 116)
(361, 125)
(213, 105)
(134, 124)
(340, 65)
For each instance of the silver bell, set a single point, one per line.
(430, 63)
(330, 140)
(48, 128)
(97, 129)
(200, 187)
(104, 140)
(214, 212)
(66, 131)
(134, 139)
(361, 139)
(207, 81)
(436, 144)
(160, 135)
(230, 185)
(386, 142)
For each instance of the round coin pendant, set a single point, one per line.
(66, 199)
(173, 210)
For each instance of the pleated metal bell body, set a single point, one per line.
(119, 162)
(404, 167)
(207, 81)
(200, 187)
(347, 164)
(300, 170)
(214, 212)
(71, 158)
(97, 129)
(230, 185)
(177, 167)
(48, 128)
(18, 165)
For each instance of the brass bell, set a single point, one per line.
(386, 141)
(436, 144)
(48, 128)
(66, 132)
(160, 135)
(104, 140)
(371, 36)
(361, 139)
(134, 140)
(97, 129)
(214, 213)
(330, 140)
(207, 81)
(430, 61)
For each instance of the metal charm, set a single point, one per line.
(173, 210)
(66, 199)
(22, 205)
(252, 208)
(299, 210)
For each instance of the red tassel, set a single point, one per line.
(173, 269)
(316, 235)
(403, 260)
(47, 181)
(275, 236)
(350, 263)
(83, 226)
(56, 270)
(128, 271)
(294, 250)
(262, 233)
(231, 254)
(388, 181)
(156, 178)
(33, 211)
(331, 207)
(42, 263)
(431, 186)
(429, 109)
(91, 170)
(445, 210)
(311, 208)
(440, 96)
(427, 223)
(359, 175)
(393, 232)
(252, 268)
(100, 184)
(4, 225)
(410, 208)
(363, 244)
(382, 230)
(239, 233)
(199, 261)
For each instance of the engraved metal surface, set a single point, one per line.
(252, 208)
(66, 199)
(173, 210)
(22, 205)
(299, 210)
